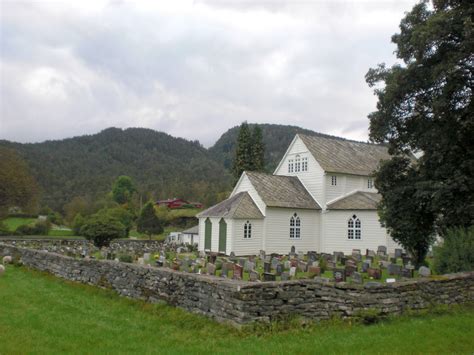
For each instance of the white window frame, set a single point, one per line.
(304, 164)
(354, 228)
(290, 165)
(333, 180)
(297, 164)
(247, 230)
(295, 227)
(370, 183)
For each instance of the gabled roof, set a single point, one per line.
(192, 230)
(339, 155)
(240, 205)
(357, 200)
(282, 191)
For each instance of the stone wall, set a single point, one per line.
(240, 302)
(73, 247)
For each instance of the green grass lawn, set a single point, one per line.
(13, 223)
(42, 314)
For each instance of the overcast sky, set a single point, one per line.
(192, 69)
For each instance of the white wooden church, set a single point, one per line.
(321, 197)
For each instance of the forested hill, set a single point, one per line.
(276, 138)
(86, 166)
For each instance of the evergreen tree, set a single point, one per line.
(123, 189)
(426, 105)
(148, 222)
(243, 155)
(258, 149)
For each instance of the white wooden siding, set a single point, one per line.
(244, 184)
(313, 178)
(334, 237)
(250, 246)
(277, 230)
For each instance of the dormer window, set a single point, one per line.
(333, 180)
(297, 164)
(370, 183)
(304, 164)
(290, 166)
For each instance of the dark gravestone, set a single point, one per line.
(285, 276)
(268, 276)
(279, 269)
(408, 273)
(232, 254)
(262, 255)
(374, 273)
(343, 260)
(339, 275)
(253, 276)
(365, 265)
(382, 249)
(292, 250)
(314, 271)
(406, 260)
(338, 255)
(357, 278)
(212, 258)
(350, 270)
(394, 269)
(238, 272)
(398, 253)
(267, 267)
(211, 269)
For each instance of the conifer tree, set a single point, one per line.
(148, 222)
(258, 149)
(243, 153)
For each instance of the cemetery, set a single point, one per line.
(263, 287)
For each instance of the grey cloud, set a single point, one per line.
(193, 71)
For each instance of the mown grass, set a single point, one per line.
(12, 223)
(42, 314)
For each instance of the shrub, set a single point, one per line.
(125, 258)
(4, 229)
(102, 229)
(38, 228)
(323, 265)
(77, 224)
(456, 252)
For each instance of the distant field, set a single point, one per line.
(63, 317)
(13, 223)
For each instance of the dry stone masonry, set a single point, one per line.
(240, 302)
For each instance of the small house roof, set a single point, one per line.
(241, 205)
(339, 155)
(192, 230)
(282, 191)
(357, 200)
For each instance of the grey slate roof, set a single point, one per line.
(358, 200)
(282, 191)
(240, 205)
(192, 230)
(339, 155)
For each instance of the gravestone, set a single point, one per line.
(262, 255)
(275, 262)
(249, 265)
(302, 266)
(232, 254)
(158, 263)
(292, 250)
(330, 265)
(238, 272)
(371, 254)
(268, 276)
(339, 275)
(424, 271)
(315, 263)
(398, 253)
(279, 269)
(406, 260)
(343, 260)
(267, 267)
(312, 256)
(408, 273)
(212, 258)
(146, 256)
(287, 264)
(394, 269)
(382, 249)
(350, 270)
(242, 261)
(285, 276)
(140, 261)
(357, 278)
(384, 264)
(350, 262)
(178, 250)
(356, 252)
(338, 255)
(292, 271)
(365, 265)
(253, 276)
(374, 273)
(314, 271)
(300, 255)
(202, 254)
(211, 269)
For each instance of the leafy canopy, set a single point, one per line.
(425, 105)
(123, 189)
(102, 228)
